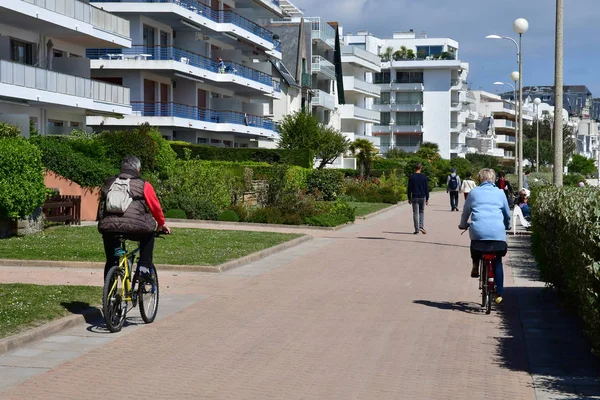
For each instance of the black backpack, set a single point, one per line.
(453, 182)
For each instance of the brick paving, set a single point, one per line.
(368, 312)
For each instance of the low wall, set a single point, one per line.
(89, 197)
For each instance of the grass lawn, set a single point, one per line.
(438, 189)
(183, 247)
(363, 209)
(26, 306)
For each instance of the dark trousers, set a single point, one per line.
(454, 199)
(111, 243)
(418, 205)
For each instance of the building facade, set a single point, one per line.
(45, 79)
(577, 99)
(498, 126)
(200, 70)
(423, 91)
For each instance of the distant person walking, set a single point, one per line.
(453, 187)
(467, 185)
(525, 176)
(418, 196)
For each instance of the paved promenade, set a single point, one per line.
(367, 312)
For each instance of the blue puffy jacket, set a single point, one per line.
(490, 215)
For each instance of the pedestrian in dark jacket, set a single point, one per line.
(418, 196)
(453, 187)
(139, 221)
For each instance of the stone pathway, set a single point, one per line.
(367, 312)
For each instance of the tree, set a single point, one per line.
(582, 165)
(387, 54)
(396, 153)
(530, 132)
(401, 54)
(410, 54)
(365, 152)
(429, 151)
(331, 144)
(546, 152)
(299, 130)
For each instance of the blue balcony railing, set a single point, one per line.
(219, 16)
(168, 53)
(201, 114)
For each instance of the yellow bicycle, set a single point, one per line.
(120, 289)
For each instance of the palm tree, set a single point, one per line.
(387, 54)
(364, 152)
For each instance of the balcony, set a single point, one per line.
(362, 58)
(306, 80)
(456, 126)
(350, 111)
(472, 116)
(505, 140)
(402, 87)
(323, 99)
(323, 67)
(457, 84)
(173, 58)
(352, 84)
(225, 22)
(397, 129)
(196, 118)
(386, 106)
(67, 18)
(456, 106)
(470, 98)
(39, 85)
(322, 31)
(504, 124)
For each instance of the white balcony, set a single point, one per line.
(408, 107)
(402, 87)
(458, 84)
(323, 68)
(86, 24)
(456, 106)
(322, 31)
(323, 99)
(456, 126)
(42, 86)
(504, 124)
(472, 116)
(361, 58)
(350, 111)
(352, 84)
(385, 129)
(224, 25)
(505, 140)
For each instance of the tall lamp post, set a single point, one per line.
(515, 98)
(536, 103)
(520, 26)
(558, 96)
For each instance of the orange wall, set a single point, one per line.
(89, 197)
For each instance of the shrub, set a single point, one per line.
(22, 187)
(573, 179)
(241, 211)
(389, 190)
(138, 142)
(201, 190)
(333, 214)
(229, 215)
(388, 163)
(327, 182)
(265, 215)
(9, 131)
(175, 213)
(59, 157)
(566, 233)
(302, 157)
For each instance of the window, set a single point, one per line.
(201, 140)
(215, 141)
(385, 118)
(383, 77)
(385, 98)
(408, 140)
(75, 124)
(409, 77)
(409, 118)
(148, 36)
(164, 38)
(53, 122)
(74, 55)
(409, 98)
(426, 51)
(21, 52)
(227, 143)
(57, 53)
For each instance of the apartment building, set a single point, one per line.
(577, 99)
(202, 71)
(423, 91)
(44, 75)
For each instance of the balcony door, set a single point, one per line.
(148, 39)
(202, 113)
(165, 101)
(149, 98)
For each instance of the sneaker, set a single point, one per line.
(475, 271)
(423, 231)
(415, 232)
(499, 299)
(144, 273)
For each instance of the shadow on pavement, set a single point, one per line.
(464, 306)
(410, 241)
(89, 313)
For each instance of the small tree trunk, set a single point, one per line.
(362, 169)
(322, 164)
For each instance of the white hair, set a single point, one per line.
(487, 175)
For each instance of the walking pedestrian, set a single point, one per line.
(418, 196)
(467, 185)
(453, 187)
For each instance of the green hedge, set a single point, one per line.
(566, 234)
(59, 156)
(302, 158)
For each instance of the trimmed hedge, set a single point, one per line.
(302, 157)
(566, 234)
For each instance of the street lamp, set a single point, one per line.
(392, 119)
(536, 102)
(515, 101)
(520, 26)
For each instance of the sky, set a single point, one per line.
(470, 21)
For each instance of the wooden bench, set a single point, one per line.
(65, 209)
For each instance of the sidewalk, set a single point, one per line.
(367, 312)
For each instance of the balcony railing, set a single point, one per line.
(171, 53)
(86, 13)
(12, 73)
(147, 109)
(320, 64)
(351, 83)
(321, 30)
(306, 80)
(219, 16)
(323, 99)
(362, 54)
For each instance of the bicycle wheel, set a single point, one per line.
(489, 291)
(112, 300)
(482, 282)
(148, 296)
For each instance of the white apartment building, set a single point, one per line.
(177, 80)
(44, 75)
(423, 91)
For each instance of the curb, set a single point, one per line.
(376, 213)
(20, 339)
(164, 267)
(197, 222)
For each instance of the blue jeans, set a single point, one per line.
(418, 205)
(454, 199)
(478, 247)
